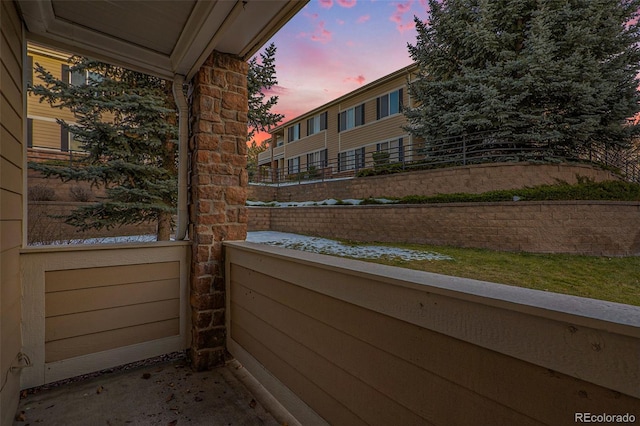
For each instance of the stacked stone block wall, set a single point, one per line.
(468, 179)
(218, 194)
(578, 227)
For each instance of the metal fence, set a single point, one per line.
(456, 151)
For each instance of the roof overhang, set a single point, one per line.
(161, 37)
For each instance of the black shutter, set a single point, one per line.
(28, 72)
(309, 126)
(29, 133)
(339, 128)
(64, 139)
(65, 74)
(323, 121)
(377, 108)
(400, 102)
(359, 115)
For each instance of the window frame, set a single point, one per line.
(351, 118)
(293, 165)
(352, 159)
(317, 124)
(292, 132)
(322, 160)
(385, 105)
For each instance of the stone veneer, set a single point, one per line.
(218, 193)
(600, 228)
(472, 179)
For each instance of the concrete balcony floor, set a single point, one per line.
(163, 393)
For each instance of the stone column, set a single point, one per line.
(218, 148)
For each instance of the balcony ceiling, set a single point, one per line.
(161, 37)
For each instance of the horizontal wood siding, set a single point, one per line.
(373, 93)
(94, 309)
(11, 147)
(356, 348)
(88, 308)
(46, 134)
(58, 350)
(11, 193)
(307, 144)
(35, 108)
(373, 132)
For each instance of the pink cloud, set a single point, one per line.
(276, 91)
(359, 79)
(346, 3)
(340, 21)
(403, 7)
(326, 3)
(398, 16)
(363, 19)
(321, 34)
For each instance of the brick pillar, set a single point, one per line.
(218, 148)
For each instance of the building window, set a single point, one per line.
(389, 104)
(78, 78)
(75, 78)
(351, 118)
(293, 133)
(395, 148)
(279, 141)
(317, 159)
(350, 160)
(68, 142)
(293, 165)
(317, 124)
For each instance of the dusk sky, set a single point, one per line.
(332, 47)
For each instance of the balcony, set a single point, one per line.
(335, 341)
(340, 341)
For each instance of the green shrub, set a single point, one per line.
(584, 190)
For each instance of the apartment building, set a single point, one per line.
(43, 131)
(342, 136)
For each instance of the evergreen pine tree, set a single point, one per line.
(556, 76)
(260, 78)
(125, 121)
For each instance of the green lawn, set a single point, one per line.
(616, 279)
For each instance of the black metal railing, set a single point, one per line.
(455, 151)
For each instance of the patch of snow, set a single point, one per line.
(301, 182)
(327, 246)
(102, 240)
(327, 202)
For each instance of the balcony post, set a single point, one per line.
(218, 180)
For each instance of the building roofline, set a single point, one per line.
(381, 80)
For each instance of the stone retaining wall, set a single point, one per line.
(578, 227)
(469, 179)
